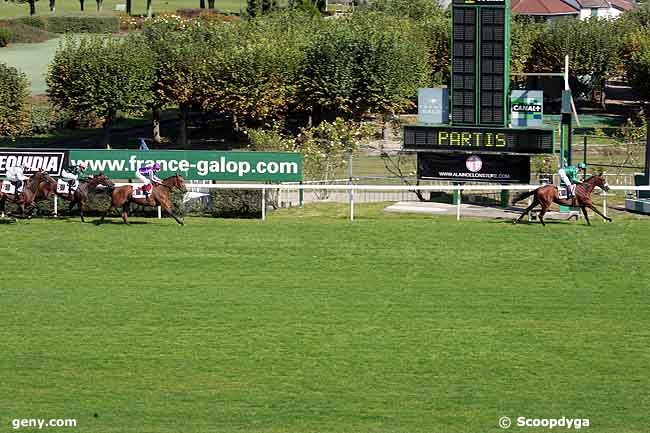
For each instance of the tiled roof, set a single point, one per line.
(623, 5)
(543, 7)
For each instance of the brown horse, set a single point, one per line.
(159, 196)
(548, 194)
(80, 196)
(39, 186)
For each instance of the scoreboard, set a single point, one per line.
(480, 62)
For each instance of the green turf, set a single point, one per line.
(15, 9)
(33, 60)
(310, 323)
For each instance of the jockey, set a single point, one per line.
(16, 175)
(569, 176)
(147, 174)
(73, 174)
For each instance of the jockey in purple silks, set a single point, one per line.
(147, 174)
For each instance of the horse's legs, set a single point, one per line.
(528, 209)
(125, 212)
(81, 211)
(171, 213)
(593, 208)
(541, 213)
(584, 212)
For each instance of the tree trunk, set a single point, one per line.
(128, 7)
(149, 9)
(81, 3)
(155, 115)
(182, 138)
(210, 4)
(32, 7)
(100, 5)
(108, 125)
(52, 5)
(202, 4)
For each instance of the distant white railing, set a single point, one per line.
(352, 188)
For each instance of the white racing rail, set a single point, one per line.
(351, 188)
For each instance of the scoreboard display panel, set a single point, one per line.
(480, 63)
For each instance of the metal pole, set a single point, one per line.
(56, 206)
(159, 213)
(351, 196)
(351, 192)
(460, 194)
(584, 155)
(263, 204)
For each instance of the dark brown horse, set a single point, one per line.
(548, 194)
(80, 196)
(160, 196)
(39, 186)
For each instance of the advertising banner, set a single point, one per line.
(51, 161)
(195, 165)
(474, 168)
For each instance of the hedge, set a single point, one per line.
(82, 24)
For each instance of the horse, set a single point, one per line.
(80, 195)
(39, 186)
(159, 196)
(547, 194)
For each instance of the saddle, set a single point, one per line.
(563, 194)
(8, 187)
(139, 192)
(63, 187)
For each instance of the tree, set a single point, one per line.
(252, 8)
(32, 7)
(101, 76)
(269, 6)
(14, 106)
(592, 46)
(370, 64)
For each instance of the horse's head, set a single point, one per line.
(179, 182)
(101, 179)
(601, 182)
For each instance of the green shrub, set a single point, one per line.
(5, 36)
(37, 22)
(237, 203)
(22, 33)
(83, 24)
(14, 105)
(44, 118)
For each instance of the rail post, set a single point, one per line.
(159, 213)
(263, 203)
(460, 194)
(56, 206)
(605, 203)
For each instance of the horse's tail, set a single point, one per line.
(522, 196)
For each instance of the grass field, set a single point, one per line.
(15, 9)
(309, 323)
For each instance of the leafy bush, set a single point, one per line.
(237, 203)
(5, 36)
(14, 111)
(44, 118)
(23, 33)
(37, 22)
(83, 24)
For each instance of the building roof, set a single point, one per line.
(545, 7)
(623, 5)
